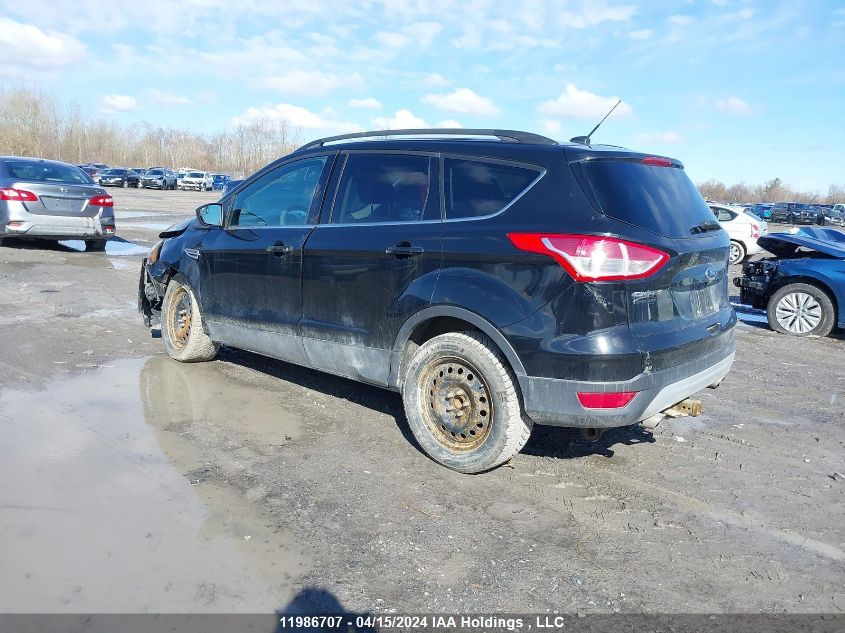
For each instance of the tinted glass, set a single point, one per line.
(36, 171)
(660, 199)
(386, 188)
(114, 172)
(195, 174)
(154, 172)
(282, 197)
(475, 188)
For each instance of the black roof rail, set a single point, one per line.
(506, 136)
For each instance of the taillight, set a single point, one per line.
(608, 400)
(656, 161)
(755, 231)
(18, 195)
(594, 257)
(102, 201)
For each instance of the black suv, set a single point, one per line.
(497, 279)
(794, 213)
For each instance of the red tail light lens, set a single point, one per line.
(18, 195)
(755, 231)
(656, 161)
(594, 257)
(102, 201)
(609, 400)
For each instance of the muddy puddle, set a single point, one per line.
(101, 498)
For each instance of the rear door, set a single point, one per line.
(250, 286)
(371, 262)
(683, 310)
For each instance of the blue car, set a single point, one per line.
(802, 288)
(761, 210)
(219, 181)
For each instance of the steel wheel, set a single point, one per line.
(458, 407)
(179, 316)
(798, 313)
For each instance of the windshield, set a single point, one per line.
(42, 171)
(154, 172)
(114, 172)
(660, 199)
(195, 174)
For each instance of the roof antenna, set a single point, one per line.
(585, 140)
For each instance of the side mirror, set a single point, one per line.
(211, 214)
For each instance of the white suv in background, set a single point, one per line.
(743, 230)
(199, 180)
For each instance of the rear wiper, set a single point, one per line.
(707, 225)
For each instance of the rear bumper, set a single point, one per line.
(57, 227)
(555, 402)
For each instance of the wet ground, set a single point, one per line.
(133, 483)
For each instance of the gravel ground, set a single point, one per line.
(240, 484)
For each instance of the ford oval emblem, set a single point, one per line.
(710, 273)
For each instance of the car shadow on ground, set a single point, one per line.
(545, 441)
(316, 601)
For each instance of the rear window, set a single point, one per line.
(476, 188)
(33, 171)
(660, 199)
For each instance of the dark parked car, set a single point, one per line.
(802, 288)
(230, 184)
(835, 215)
(119, 177)
(219, 181)
(158, 178)
(496, 280)
(46, 199)
(794, 213)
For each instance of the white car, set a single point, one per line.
(199, 180)
(742, 228)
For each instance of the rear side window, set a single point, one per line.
(653, 197)
(32, 171)
(476, 188)
(386, 188)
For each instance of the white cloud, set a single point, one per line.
(27, 45)
(582, 104)
(680, 20)
(594, 13)
(118, 103)
(307, 82)
(369, 103)
(392, 40)
(642, 34)
(297, 117)
(166, 98)
(403, 119)
(448, 123)
(462, 101)
(733, 105)
(434, 80)
(664, 138)
(550, 126)
(423, 33)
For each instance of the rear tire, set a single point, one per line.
(125, 184)
(801, 310)
(736, 252)
(181, 326)
(92, 246)
(462, 403)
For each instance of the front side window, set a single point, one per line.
(386, 188)
(282, 197)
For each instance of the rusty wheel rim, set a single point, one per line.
(179, 317)
(458, 410)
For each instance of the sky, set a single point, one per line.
(739, 90)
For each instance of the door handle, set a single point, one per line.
(404, 249)
(279, 249)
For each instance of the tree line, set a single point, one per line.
(34, 123)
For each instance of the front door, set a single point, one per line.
(372, 263)
(251, 270)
